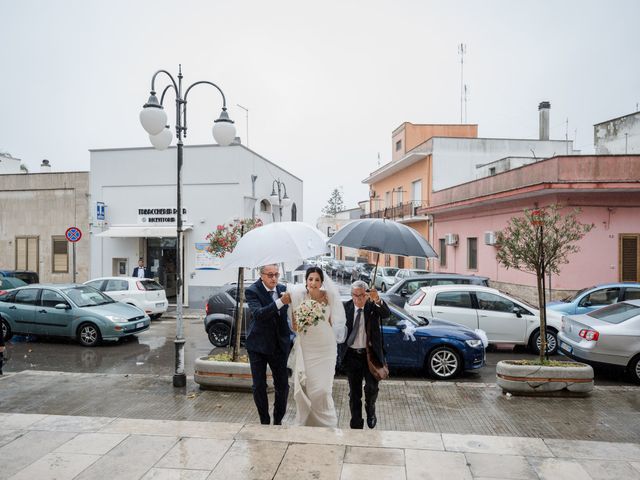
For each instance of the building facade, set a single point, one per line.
(619, 136)
(136, 188)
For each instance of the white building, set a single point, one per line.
(9, 164)
(137, 187)
(620, 136)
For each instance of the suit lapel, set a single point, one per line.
(264, 293)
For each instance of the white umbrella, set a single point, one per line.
(282, 242)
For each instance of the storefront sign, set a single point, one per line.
(160, 215)
(204, 259)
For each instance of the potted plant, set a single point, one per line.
(539, 242)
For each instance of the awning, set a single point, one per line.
(142, 231)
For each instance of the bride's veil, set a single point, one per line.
(338, 316)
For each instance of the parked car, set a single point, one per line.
(344, 269)
(406, 287)
(409, 272)
(589, 299)
(385, 278)
(26, 276)
(145, 293)
(607, 336)
(322, 261)
(362, 271)
(8, 283)
(68, 310)
(332, 267)
(503, 318)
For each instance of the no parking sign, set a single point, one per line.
(73, 234)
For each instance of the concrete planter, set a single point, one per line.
(544, 380)
(217, 375)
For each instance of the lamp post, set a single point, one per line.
(279, 194)
(154, 120)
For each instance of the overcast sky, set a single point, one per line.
(325, 82)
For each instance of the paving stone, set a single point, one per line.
(66, 423)
(374, 456)
(558, 469)
(92, 443)
(607, 470)
(19, 420)
(495, 445)
(7, 436)
(175, 474)
(250, 460)
(195, 453)
(312, 462)
(636, 465)
(355, 471)
(175, 428)
(29, 448)
(428, 465)
(58, 466)
(500, 466)
(594, 450)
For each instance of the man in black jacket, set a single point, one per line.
(140, 271)
(364, 312)
(268, 342)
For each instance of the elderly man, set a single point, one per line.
(364, 312)
(268, 342)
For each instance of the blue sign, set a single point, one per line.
(73, 234)
(99, 210)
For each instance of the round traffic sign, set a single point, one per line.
(73, 234)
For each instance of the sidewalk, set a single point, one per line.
(94, 426)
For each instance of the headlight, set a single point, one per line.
(114, 318)
(474, 343)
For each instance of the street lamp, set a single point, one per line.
(154, 120)
(279, 194)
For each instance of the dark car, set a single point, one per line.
(404, 288)
(9, 283)
(26, 276)
(362, 271)
(345, 268)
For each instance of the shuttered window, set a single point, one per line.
(60, 257)
(472, 253)
(629, 258)
(27, 254)
(443, 252)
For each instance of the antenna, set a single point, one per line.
(378, 158)
(462, 50)
(566, 135)
(466, 92)
(247, 112)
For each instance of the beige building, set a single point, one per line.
(35, 211)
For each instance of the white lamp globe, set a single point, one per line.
(286, 201)
(224, 131)
(162, 140)
(153, 119)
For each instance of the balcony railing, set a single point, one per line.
(402, 211)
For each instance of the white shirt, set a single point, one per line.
(140, 272)
(361, 336)
(279, 303)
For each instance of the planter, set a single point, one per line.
(218, 375)
(519, 379)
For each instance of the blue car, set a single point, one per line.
(592, 298)
(441, 349)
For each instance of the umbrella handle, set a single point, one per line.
(375, 271)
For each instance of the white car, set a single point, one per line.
(503, 318)
(385, 278)
(144, 293)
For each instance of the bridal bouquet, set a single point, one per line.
(309, 313)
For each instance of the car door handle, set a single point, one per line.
(484, 316)
(42, 311)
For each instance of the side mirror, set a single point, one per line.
(62, 306)
(518, 312)
(404, 292)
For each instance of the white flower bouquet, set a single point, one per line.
(309, 313)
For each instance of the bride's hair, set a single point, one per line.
(311, 270)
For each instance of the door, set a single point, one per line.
(496, 318)
(25, 309)
(50, 320)
(399, 352)
(455, 306)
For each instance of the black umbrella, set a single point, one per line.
(383, 236)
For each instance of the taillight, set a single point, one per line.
(140, 286)
(418, 300)
(206, 308)
(590, 335)
(2, 292)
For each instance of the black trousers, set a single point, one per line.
(355, 364)
(278, 364)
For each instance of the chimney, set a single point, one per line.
(544, 108)
(45, 166)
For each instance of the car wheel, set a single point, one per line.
(6, 330)
(219, 334)
(444, 363)
(384, 287)
(155, 316)
(89, 335)
(552, 342)
(634, 369)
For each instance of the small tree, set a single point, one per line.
(539, 242)
(335, 203)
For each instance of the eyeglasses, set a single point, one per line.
(361, 295)
(271, 275)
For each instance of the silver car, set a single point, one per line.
(607, 336)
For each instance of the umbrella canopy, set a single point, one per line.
(383, 236)
(282, 242)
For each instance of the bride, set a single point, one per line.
(318, 318)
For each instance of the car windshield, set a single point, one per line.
(616, 313)
(401, 312)
(86, 296)
(389, 272)
(575, 296)
(151, 285)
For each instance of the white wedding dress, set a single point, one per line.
(314, 362)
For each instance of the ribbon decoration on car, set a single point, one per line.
(408, 331)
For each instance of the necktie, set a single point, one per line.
(274, 295)
(356, 327)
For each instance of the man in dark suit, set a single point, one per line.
(140, 271)
(268, 342)
(364, 313)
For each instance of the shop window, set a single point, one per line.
(630, 258)
(443, 252)
(27, 254)
(472, 253)
(60, 255)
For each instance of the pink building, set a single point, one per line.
(605, 187)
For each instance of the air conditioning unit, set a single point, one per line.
(451, 239)
(490, 238)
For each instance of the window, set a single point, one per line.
(618, 313)
(398, 145)
(387, 199)
(453, 299)
(265, 206)
(420, 263)
(400, 262)
(387, 260)
(496, 303)
(50, 299)
(632, 294)
(117, 286)
(412, 287)
(443, 252)
(294, 213)
(27, 296)
(472, 253)
(399, 196)
(96, 284)
(27, 254)
(416, 192)
(60, 255)
(629, 258)
(492, 171)
(605, 296)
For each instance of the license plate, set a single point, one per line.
(139, 325)
(566, 347)
(161, 304)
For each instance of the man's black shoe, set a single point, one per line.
(371, 421)
(356, 424)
